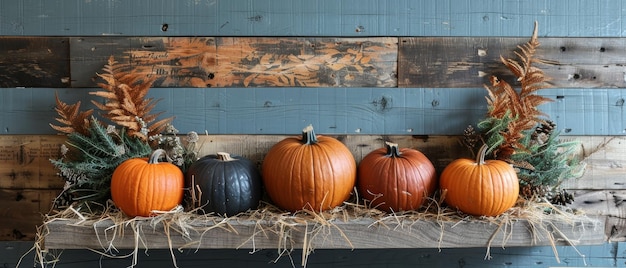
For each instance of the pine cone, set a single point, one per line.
(561, 197)
(470, 137)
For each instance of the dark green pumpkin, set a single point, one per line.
(223, 184)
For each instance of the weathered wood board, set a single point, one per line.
(333, 111)
(441, 62)
(606, 255)
(34, 62)
(609, 203)
(469, 62)
(22, 211)
(358, 233)
(25, 161)
(313, 18)
(605, 159)
(241, 62)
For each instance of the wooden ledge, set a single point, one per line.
(360, 233)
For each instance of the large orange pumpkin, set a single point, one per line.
(312, 172)
(140, 186)
(480, 187)
(395, 179)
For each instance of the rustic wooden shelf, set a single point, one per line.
(362, 233)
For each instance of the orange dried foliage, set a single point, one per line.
(71, 118)
(521, 105)
(126, 103)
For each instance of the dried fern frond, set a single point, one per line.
(71, 117)
(531, 78)
(520, 106)
(126, 103)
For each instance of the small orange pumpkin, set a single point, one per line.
(140, 186)
(395, 179)
(312, 172)
(480, 187)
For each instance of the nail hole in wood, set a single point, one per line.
(164, 27)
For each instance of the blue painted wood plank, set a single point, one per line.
(607, 255)
(384, 111)
(584, 18)
(576, 111)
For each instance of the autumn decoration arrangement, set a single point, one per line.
(130, 160)
(518, 132)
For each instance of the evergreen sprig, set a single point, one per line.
(494, 128)
(551, 161)
(91, 159)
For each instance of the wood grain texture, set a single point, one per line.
(242, 62)
(22, 211)
(358, 233)
(605, 255)
(333, 111)
(469, 62)
(605, 163)
(313, 18)
(25, 162)
(34, 62)
(609, 203)
(441, 62)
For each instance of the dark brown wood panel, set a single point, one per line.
(34, 62)
(449, 62)
(25, 161)
(22, 211)
(242, 62)
(456, 62)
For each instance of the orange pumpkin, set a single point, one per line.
(140, 186)
(480, 187)
(312, 172)
(395, 179)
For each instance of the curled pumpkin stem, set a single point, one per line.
(156, 155)
(480, 157)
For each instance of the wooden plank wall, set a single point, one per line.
(250, 72)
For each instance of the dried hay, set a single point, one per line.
(269, 220)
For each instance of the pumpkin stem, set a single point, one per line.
(480, 157)
(392, 149)
(308, 135)
(223, 156)
(154, 157)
